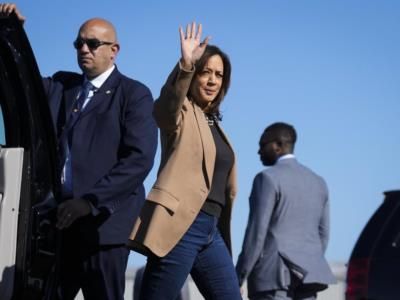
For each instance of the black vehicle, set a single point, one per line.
(28, 185)
(374, 268)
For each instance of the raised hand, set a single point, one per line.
(191, 48)
(8, 8)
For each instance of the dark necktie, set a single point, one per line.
(64, 141)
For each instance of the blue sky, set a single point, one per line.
(330, 68)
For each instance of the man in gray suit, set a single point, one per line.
(288, 227)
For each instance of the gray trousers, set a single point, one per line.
(295, 291)
(281, 295)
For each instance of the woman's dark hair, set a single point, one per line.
(212, 50)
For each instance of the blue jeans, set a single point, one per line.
(202, 253)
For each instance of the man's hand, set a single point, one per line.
(8, 8)
(70, 210)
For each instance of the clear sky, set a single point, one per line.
(330, 68)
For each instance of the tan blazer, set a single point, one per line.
(185, 173)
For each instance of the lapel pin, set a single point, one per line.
(108, 92)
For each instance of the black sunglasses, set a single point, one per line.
(92, 44)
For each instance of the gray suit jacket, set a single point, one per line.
(287, 230)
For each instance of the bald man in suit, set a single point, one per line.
(107, 139)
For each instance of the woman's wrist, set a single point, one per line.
(185, 65)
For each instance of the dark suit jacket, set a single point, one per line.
(287, 230)
(113, 147)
